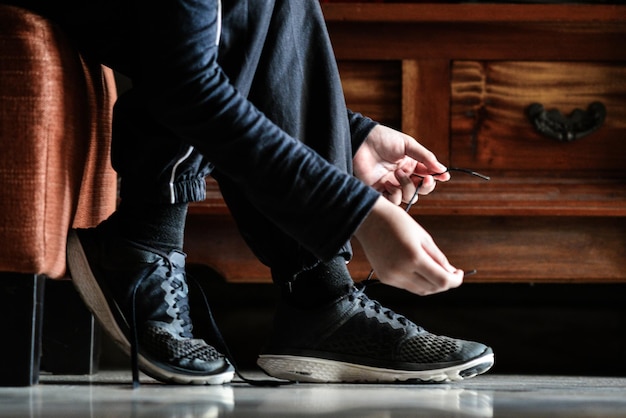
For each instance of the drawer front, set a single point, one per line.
(492, 130)
(374, 89)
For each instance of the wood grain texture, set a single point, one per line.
(491, 130)
(463, 12)
(374, 88)
(425, 103)
(522, 249)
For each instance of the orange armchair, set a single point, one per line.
(55, 173)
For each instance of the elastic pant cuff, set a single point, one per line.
(187, 191)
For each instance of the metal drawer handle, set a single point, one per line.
(553, 124)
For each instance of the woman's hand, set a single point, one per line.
(403, 254)
(396, 164)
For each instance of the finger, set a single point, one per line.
(427, 185)
(423, 155)
(444, 176)
(432, 272)
(440, 281)
(407, 186)
(433, 280)
(440, 266)
(393, 194)
(422, 171)
(438, 257)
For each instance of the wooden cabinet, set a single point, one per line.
(461, 78)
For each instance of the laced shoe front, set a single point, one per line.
(356, 339)
(140, 297)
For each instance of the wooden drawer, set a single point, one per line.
(491, 128)
(484, 118)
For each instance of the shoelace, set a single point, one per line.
(367, 303)
(226, 351)
(182, 315)
(134, 338)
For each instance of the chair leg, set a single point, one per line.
(22, 310)
(71, 336)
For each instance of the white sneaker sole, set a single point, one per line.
(94, 299)
(317, 370)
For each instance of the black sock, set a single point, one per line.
(318, 286)
(157, 226)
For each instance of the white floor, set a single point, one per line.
(109, 394)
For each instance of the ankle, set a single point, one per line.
(317, 286)
(160, 227)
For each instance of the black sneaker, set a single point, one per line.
(140, 298)
(357, 340)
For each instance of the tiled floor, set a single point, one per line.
(109, 394)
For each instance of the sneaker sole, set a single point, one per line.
(317, 370)
(89, 290)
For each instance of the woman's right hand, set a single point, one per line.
(403, 254)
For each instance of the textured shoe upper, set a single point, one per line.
(376, 331)
(153, 285)
(158, 281)
(358, 329)
(187, 353)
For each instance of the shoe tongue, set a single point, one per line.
(165, 295)
(162, 287)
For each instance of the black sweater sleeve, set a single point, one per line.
(360, 127)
